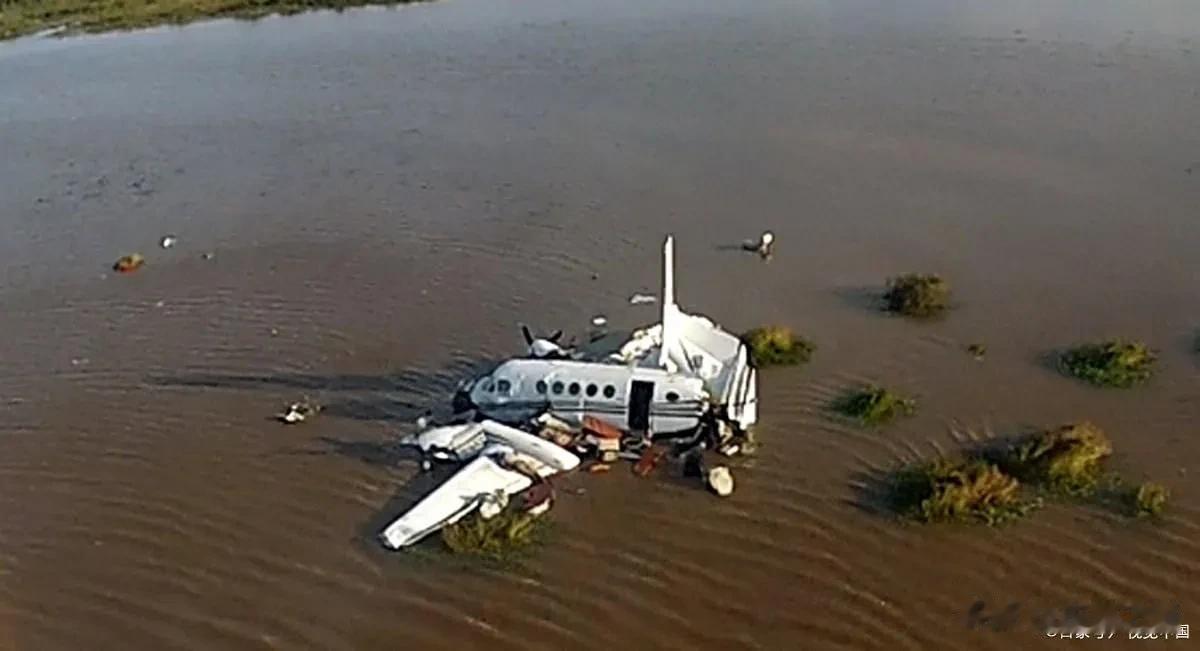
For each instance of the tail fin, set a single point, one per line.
(668, 302)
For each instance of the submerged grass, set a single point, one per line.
(1113, 363)
(20, 17)
(777, 346)
(989, 483)
(1150, 499)
(874, 405)
(503, 537)
(1067, 460)
(965, 491)
(918, 295)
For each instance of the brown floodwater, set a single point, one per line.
(387, 193)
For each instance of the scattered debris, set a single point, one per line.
(763, 246)
(129, 263)
(599, 321)
(649, 460)
(597, 468)
(917, 295)
(538, 499)
(720, 481)
(978, 351)
(208, 256)
(777, 346)
(168, 241)
(1114, 363)
(873, 405)
(298, 412)
(642, 299)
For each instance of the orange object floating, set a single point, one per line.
(129, 263)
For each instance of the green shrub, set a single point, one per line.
(874, 405)
(958, 491)
(1151, 499)
(1066, 459)
(777, 346)
(919, 295)
(500, 537)
(1113, 363)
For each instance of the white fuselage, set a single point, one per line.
(628, 397)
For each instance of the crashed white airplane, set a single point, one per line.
(665, 379)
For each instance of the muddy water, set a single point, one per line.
(387, 193)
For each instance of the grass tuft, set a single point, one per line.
(1066, 460)
(1150, 499)
(20, 17)
(777, 346)
(970, 491)
(874, 405)
(1114, 363)
(502, 537)
(917, 295)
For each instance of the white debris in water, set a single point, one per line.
(641, 299)
(491, 505)
(720, 480)
(599, 321)
(168, 241)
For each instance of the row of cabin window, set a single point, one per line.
(503, 387)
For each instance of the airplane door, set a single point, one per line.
(640, 395)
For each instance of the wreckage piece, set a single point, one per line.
(553, 459)
(454, 500)
(510, 462)
(450, 442)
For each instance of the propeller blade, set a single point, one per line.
(556, 336)
(528, 335)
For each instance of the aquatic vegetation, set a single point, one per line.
(497, 538)
(1066, 459)
(918, 295)
(777, 346)
(963, 491)
(874, 405)
(1113, 363)
(1150, 499)
(19, 17)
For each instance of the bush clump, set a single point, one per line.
(873, 405)
(958, 491)
(919, 295)
(1113, 363)
(777, 346)
(1067, 459)
(498, 538)
(1150, 499)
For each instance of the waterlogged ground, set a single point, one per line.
(386, 193)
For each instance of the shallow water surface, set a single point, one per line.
(387, 193)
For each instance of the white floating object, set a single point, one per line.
(642, 299)
(293, 415)
(599, 321)
(492, 505)
(720, 480)
(168, 241)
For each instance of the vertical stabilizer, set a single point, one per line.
(668, 301)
